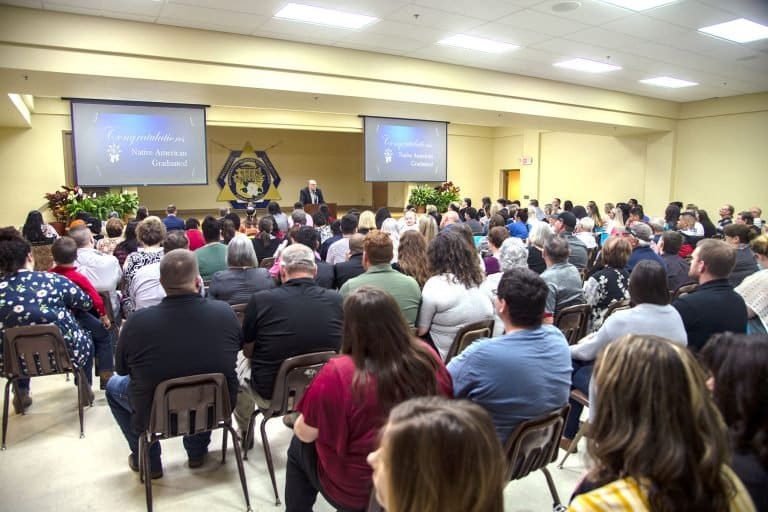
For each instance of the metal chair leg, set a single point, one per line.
(147, 473)
(248, 435)
(552, 489)
(224, 444)
(572, 446)
(270, 463)
(6, 403)
(81, 397)
(240, 466)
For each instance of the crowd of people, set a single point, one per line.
(677, 381)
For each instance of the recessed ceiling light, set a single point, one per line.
(320, 16)
(639, 5)
(666, 81)
(477, 43)
(590, 66)
(739, 31)
(565, 6)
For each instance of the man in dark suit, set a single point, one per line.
(311, 194)
(353, 267)
(171, 221)
(183, 335)
(713, 307)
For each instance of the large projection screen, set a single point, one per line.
(120, 143)
(405, 149)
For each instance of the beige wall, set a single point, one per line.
(32, 164)
(723, 159)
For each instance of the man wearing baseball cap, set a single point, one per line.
(565, 223)
(641, 236)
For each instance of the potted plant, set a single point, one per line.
(421, 196)
(58, 203)
(101, 206)
(445, 194)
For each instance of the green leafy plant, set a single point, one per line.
(445, 194)
(422, 195)
(68, 202)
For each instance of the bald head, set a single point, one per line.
(179, 272)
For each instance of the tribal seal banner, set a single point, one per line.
(248, 177)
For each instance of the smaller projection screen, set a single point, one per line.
(126, 143)
(405, 149)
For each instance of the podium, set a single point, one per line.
(313, 208)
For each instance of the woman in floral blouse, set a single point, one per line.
(151, 233)
(610, 284)
(30, 298)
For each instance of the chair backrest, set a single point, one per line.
(267, 262)
(684, 290)
(190, 405)
(293, 378)
(619, 305)
(468, 335)
(239, 310)
(43, 256)
(35, 351)
(534, 443)
(572, 321)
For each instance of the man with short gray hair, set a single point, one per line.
(102, 270)
(183, 335)
(562, 278)
(297, 318)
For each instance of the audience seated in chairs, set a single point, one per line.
(212, 257)
(380, 365)
(713, 307)
(657, 441)
(242, 278)
(412, 256)
(146, 289)
(438, 455)
(512, 254)
(609, 284)
(523, 373)
(184, 335)
(452, 297)
(377, 253)
(562, 278)
(296, 318)
(738, 369)
(28, 297)
(95, 321)
(651, 315)
(114, 236)
(564, 225)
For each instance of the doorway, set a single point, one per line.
(510, 184)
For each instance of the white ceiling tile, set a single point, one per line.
(263, 7)
(135, 7)
(545, 23)
(488, 10)
(73, 9)
(690, 14)
(590, 12)
(434, 18)
(407, 30)
(643, 27)
(306, 37)
(239, 21)
(507, 33)
(377, 8)
(307, 31)
(600, 37)
(566, 48)
(202, 25)
(381, 42)
(755, 10)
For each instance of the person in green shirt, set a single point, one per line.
(211, 257)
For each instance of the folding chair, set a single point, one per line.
(267, 262)
(38, 351)
(619, 305)
(468, 335)
(684, 290)
(573, 321)
(583, 400)
(533, 445)
(293, 378)
(187, 406)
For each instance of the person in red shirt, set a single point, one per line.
(64, 252)
(381, 364)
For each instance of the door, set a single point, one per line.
(510, 183)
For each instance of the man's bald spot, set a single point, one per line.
(179, 272)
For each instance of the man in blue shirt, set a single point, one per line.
(171, 221)
(641, 236)
(524, 373)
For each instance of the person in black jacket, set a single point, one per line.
(353, 267)
(713, 307)
(183, 335)
(311, 194)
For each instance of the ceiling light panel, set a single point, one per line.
(639, 5)
(589, 66)
(740, 30)
(477, 43)
(321, 16)
(666, 81)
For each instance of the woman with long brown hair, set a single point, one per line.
(381, 364)
(452, 297)
(412, 256)
(439, 455)
(657, 440)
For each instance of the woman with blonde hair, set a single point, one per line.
(657, 440)
(439, 455)
(428, 227)
(366, 222)
(412, 257)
